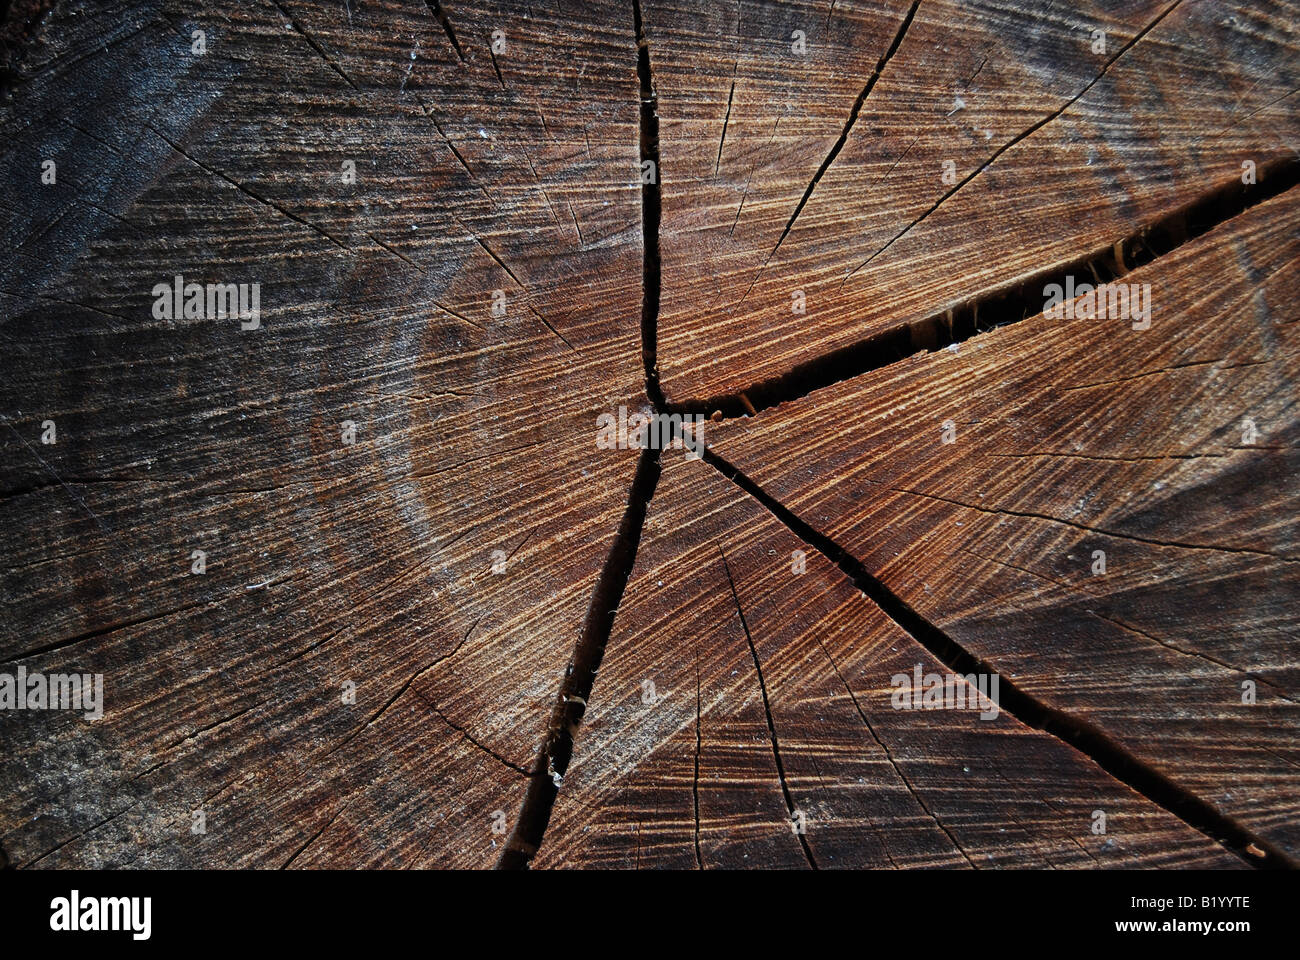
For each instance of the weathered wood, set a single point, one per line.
(429, 605)
(1076, 436)
(1057, 151)
(721, 636)
(326, 562)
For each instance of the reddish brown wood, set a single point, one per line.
(396, 482)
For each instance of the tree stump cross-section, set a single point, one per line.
(967, 333)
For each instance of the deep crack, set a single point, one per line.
(1085, 737)
(1005, 305)
(651, 214)
(580, 675)
(1002, 306)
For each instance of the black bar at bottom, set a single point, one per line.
(577, 912)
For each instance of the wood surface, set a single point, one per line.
(440, 625)
(1130, 443)
(732, 641)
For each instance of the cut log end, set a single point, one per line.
(649, 434)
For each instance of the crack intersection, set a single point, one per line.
(1002, 306)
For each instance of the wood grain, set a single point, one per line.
(732, 639)
(1073, 436)
(326, 562)
(1057, 151)
(364, 586)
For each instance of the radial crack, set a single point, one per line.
(1077, 732)
(651, 213)
(557, 746)
(767, 711)
(441, 16)
(839, 144)
(1018, 138)
(1009, 303)
(890, 757)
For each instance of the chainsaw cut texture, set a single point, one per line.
(997, 142)
(366, 591)
(746, 717)
(330, 565)
(1112, 524)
